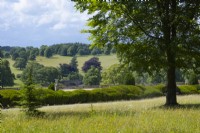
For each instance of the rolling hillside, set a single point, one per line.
(106, 61)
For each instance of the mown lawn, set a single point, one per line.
(140, 116)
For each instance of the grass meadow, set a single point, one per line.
(106, 60)
(138, 116)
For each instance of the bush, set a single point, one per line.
(152, 91)
(9, 98)
(51, 86)
(189, 89)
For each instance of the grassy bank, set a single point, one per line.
(140, 116)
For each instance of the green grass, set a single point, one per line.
(106, 60)
(141, 116)
(16, 71)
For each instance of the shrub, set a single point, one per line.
(152, 91)
(51, 86)
(189, 89)
(9, 98)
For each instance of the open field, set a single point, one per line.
(106, 60)
(140, 116)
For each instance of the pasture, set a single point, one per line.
(137, 116)
(106, 60)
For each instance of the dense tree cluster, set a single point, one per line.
(40, 74)
(65, 49)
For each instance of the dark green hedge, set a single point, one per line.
(10, 98)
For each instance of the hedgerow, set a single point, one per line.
(10, 98)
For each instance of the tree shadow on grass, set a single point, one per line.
(181, 106)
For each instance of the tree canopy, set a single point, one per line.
(6, 76)
(94, 61)
(148, 35)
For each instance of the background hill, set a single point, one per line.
(54, 61)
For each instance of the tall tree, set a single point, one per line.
(94, 61)
(48, 52)
(74, 64)
(42, 49)
(149, 34)
(92, 76)
(6, 76)
(20, 63)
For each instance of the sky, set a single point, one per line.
(40, 22)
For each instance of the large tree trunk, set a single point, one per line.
(171, 87)
(170, 36)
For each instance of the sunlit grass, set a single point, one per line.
(106, 60)
(141, 116)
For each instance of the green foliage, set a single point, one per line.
(192, 79)
(118, 74)
(94, 61)
(20, 63)
(9, 98)
(48, 52)
(152, 91)
(42, 50)
(51, 86)
(29, 101)
(92, 76)
(15, 56)
(6, 76)
(6, 55)
(74, 64)
(189, 89)
(72, 50)
(50, 97)
(64, 51)
(167, 38)
(75, 76)
(41, 74)
(1, 54)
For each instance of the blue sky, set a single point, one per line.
(40, 22)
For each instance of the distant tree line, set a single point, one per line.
(21, 55)
(65, 49)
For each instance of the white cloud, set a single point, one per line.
(57, 14)
(40, 21)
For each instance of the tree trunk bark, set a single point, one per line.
(171, 87)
